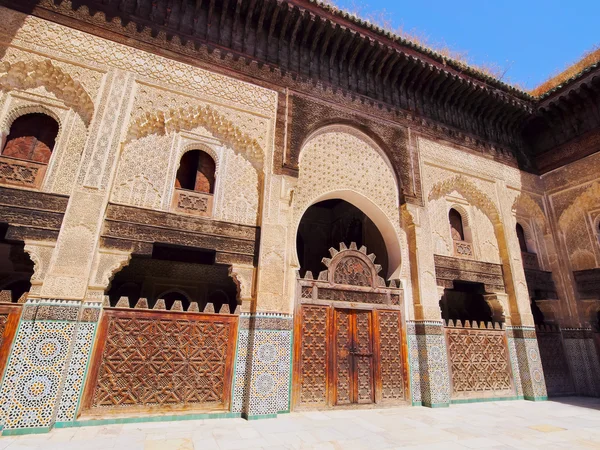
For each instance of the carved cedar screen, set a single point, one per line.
(479, 362)
(343, 358)
(313, 359)
(344, 354)
(163, 360)
(390, 351)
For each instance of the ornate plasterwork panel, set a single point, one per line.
(343, 162)
(37, 33)
(442, 197)
(62, 168)
(31, 75)
(491, 189)
(147, 169)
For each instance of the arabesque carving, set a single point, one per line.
(30, 75)
(468, 190)
(582, 203)
(526, 206)
(188, 118)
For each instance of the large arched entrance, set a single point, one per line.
(349, 340)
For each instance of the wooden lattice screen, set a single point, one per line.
(479, 361)
(159, 360)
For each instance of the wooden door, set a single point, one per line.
(354, 367)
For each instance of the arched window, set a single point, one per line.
(28, 148)
(521, 237)
(196, 172)
(456, 225)
(31, 138)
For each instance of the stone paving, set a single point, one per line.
(568, 423)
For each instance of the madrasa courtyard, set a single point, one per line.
(260, 223)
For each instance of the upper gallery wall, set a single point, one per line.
(300, 44)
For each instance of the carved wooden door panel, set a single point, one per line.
(362, 354)
(354, 357)
(312, 365)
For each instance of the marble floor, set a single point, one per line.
(568, 423)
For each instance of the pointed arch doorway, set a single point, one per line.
(349, 345)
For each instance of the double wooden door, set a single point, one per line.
(354, 366)
(348, 357)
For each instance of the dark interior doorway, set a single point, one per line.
(326, 224)
(16, 268)
(465, 302)
(175, 273)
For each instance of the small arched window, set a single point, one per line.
(28, 149)
(195, 184)
(196, 172)
(521, 237)
(456, 225)
(31, 138)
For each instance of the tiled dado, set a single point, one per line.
(428, 360)
(44, 376)
(262, 379)
(583, 358)
(528, 374)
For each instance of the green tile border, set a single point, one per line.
(482, 400)
(146, 419)
(535, 399)
(22, 431)
(260, 417)
(435, 405)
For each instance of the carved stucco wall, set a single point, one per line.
(340, 162)
(48, 92)
(574, 198)
(573, 194)
(111, 88)
(489, 190)
(147, 169)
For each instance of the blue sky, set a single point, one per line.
(531, 39)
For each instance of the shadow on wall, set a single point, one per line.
(14, 26)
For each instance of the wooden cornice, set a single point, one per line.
(303, 39)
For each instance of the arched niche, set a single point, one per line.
(376, 215)
(340, 162)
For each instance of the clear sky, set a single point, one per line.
(531, 39)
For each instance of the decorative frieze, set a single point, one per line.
(449, 269)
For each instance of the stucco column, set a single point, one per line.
(528, 373)
(264, 355)
(429, 373)
(44, 378)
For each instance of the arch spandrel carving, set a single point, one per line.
(526, 206)
(339, 162)
(469, 191)
(33, 74)
(188, 118)
(585, 201)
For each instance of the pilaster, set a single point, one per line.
(428, 361)
(262, 379)
(528, 373)
(45, 373)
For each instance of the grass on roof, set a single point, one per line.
(588, 59)
(383, 20)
